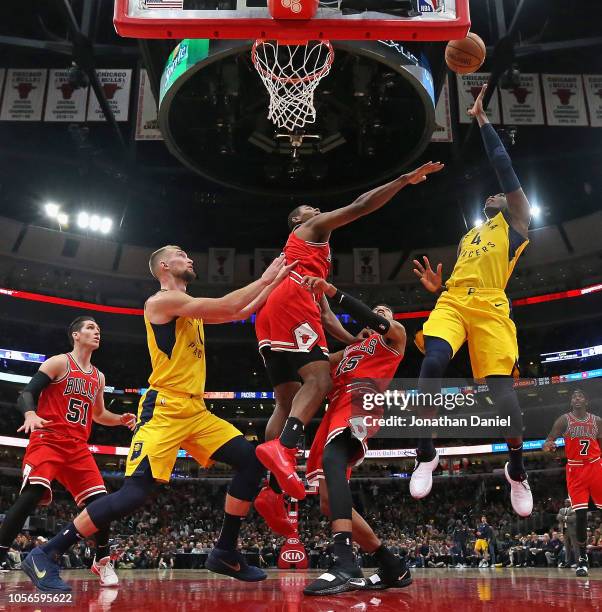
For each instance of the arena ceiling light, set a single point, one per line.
(52, 210)
(94, 223)
(476, 221)
(536, 211)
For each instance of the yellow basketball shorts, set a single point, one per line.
(168, 422)
(481, 546)
(481, 317)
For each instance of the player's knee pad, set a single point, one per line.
(581, 525)
(93, 498)
(437, 355)
(240, 454)
(334, 464)
(506, 401)
(130, 497)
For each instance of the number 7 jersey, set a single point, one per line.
(581, 439)
(68, 402)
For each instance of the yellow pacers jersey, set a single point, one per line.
(177, 352)
(487, 255)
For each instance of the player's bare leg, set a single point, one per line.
(278, 456)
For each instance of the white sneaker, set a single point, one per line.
(105, 570)
(421, 482)
(520, 495)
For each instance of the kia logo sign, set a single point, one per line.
(293, 556)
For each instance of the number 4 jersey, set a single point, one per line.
(69, 402)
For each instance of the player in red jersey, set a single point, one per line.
(365, 367)
(290, 329)
(582, 432)
(58, 405)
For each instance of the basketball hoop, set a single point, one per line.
(291, 72)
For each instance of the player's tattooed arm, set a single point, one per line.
(518, 204)
(319, 227)
(52, 369)
(102, 416)
(332, 325)
(558, 430)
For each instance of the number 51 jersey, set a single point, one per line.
(69, 402)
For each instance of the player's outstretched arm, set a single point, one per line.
(253, 306)
(393, 331)
(103, 416)
(166, 305)
(518, 205)
(319, 227)
(52, 369)
(558, 430)
(332, 325)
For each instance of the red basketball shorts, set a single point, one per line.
(583, 482)
(336, 420)
(50, 457)
(290, 320)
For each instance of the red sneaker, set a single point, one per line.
(282, 463)
(270, 505)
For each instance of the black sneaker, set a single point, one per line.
(582, 567)
(390, 576)
(336, 580)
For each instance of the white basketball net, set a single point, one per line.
(291, 74)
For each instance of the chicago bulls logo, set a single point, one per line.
(67, 90)
(564, 94)
(520, 93)
(110, 89)
(305, 336)
(24, 90)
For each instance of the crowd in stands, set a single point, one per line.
(179, 525)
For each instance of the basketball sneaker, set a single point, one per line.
(270, 506)
(281, 462)
(232, 563)
(582, 568)
(44, 572)
(337, 579)
(392, 574)
(520, 494)
(421, 482)
(105, 570)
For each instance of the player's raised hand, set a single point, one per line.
(271, 272)
(33, 422)
(316, 284)
(419, 175)
(284, 271)
(128, 420)
(477, 108)
(431, 280)
(549, 446)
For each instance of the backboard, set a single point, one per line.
(415, 20)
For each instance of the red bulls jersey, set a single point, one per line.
(314, 257)
(581, 439)
(366, 366)
(69, 402)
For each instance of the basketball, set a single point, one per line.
(465, 55)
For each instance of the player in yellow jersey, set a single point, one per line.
(473, 307)
(172, 415)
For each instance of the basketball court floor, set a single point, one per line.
(433, 590)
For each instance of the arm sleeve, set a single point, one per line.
(362, 313)
(499, 158)
(28, 398)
